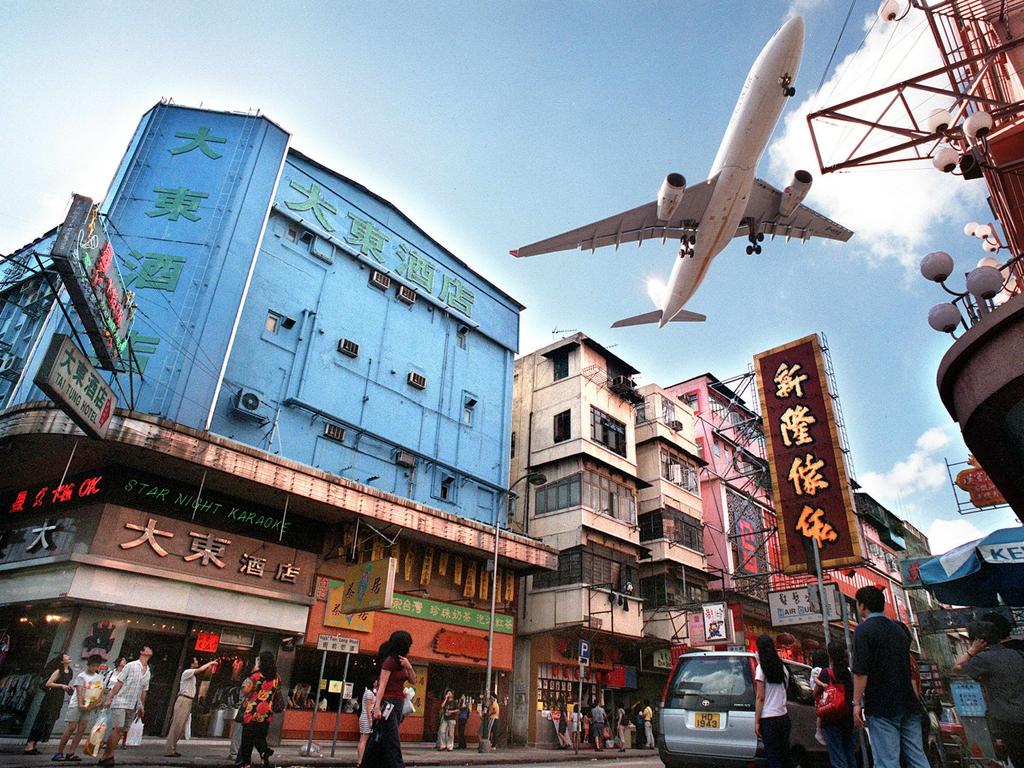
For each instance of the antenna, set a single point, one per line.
(563, 331)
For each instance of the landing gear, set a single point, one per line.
(686, 246)
(786, 81)
(754, 237)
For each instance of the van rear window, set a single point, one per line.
(712, 676)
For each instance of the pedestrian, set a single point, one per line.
(449, 716)
(493, 714)
(460, 726)
(127, 699)
(258, 694)
(621, 726)
(598, 722)
(839, 731)
(56, 685)
(365, 721)
(998, 664)
(183, 705)
(771, 715)
(86, 696)
(884, 699)
(563, 726)
(648, 715)
(109, 679)
(819, 661)
(385, 747)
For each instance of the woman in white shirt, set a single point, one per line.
(771, 717)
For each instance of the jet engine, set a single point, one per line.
(794, 194)
(670, 195)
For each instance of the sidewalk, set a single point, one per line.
(213, 753)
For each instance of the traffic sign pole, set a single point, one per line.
(341, 700)
(316, 706)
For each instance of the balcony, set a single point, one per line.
(664, 549)
(582, 605)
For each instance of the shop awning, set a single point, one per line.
(978, 573)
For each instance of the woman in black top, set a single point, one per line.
(839, 734)
(56, 685)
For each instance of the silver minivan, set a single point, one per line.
(707, 716)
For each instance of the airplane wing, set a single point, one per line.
(803, 223)
(633, 226)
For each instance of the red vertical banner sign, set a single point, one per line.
(810, 485)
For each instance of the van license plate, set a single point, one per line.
(707, 720)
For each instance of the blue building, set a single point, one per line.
(287, 307)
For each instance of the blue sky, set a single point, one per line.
(495, 124)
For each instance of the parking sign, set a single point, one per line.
(584, 652)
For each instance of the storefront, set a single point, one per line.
(441, 599)
(114, 560)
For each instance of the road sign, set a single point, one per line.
(584, 654)
(337, 644)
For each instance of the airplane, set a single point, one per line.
(730, 203)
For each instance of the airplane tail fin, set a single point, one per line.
(649, 318)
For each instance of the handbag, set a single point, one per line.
(135, 733)
(278, 703)
(832, 706)
(94, 744)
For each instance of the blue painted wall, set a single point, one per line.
(313, 274)
(198, 269)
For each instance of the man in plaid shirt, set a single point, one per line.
(127, 699)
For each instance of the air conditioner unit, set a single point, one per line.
(675, 425)
(248, 403)
(348, 347)
(10, 367)
(379, 280)
(623, 382)
(675, 474)
(406, 294)
(417, 380)
(405, 459)
(334, 432)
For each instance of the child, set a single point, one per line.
(87, 694)
(820, 661)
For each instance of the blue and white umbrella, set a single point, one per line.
(979, 572)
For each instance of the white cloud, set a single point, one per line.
(802, 7)
(921, 470)
(891, 208)
(944, 535)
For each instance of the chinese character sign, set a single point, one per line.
(84, 258)
(809, 480)
(67, 376)
(369, 586)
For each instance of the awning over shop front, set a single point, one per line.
(978, 573)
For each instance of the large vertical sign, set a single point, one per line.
(809, 481)
(84, 258)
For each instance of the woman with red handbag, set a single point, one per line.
(834, 689)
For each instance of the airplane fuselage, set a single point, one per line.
(753, 120)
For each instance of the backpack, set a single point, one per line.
(832, 706)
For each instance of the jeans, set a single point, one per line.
(253, 735)
(460, 734)
(447, 734)
(891, 736)
(775, 735)
(842, 745)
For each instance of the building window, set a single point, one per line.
(652, 590)
(716, 447)
(651, 526)
(562, 426)
(668, 411)
(446, 488)
(513, 452)
(607, 497)
(468, 408)
(570, 570)
(273, 322)
(607, 431)
(558, 495)
(560, 364)
(679, 472)
(460, 337)
(596, 565)
(692, 399)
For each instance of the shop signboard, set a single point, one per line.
(74, 385)
(335, 617)
(810, 484)
(190, 550)
(445, 613)
(369, 586)
(695, 628)
(662, 658)
(717, 627)
(84, 258)
(910, 571)
(945, 619)
(789, 607)
(979, 485)
(207, 642)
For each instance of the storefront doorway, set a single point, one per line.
(164, 666)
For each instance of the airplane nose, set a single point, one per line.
(794, 28)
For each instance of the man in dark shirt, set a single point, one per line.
(883, 693)
(998, 663)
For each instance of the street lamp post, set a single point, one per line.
(534, 478)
